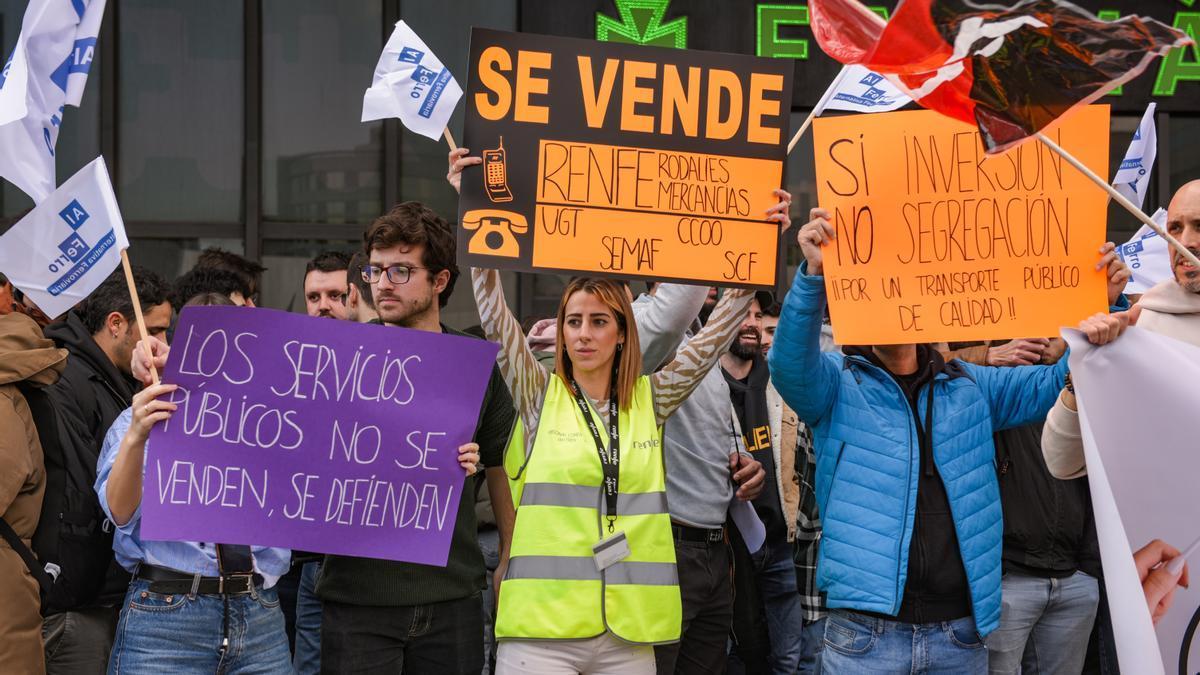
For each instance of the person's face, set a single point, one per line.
(591, 332)
(1183, 223)
(325, 294)
(710, 300)
(768, 332)
(749, 338)
(405, 304)
(126, 335)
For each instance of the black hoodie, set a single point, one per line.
(72, 532)
(936, 588)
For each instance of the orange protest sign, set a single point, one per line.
(618, 160)
(937, 241)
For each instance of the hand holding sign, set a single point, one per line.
(816, 234)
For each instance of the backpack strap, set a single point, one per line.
(35, 568)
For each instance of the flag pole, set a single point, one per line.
(137, 312)
(818, 108)
(1120, 198)
(449, 139)
(803, 127)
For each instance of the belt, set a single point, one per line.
(697, 534)
(172, 582)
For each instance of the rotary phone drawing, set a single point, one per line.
(495, 174)
(494, 232)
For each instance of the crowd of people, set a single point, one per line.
(916, 514)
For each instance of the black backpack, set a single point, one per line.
(74, 539)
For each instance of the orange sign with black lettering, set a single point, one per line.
(937, 241)
(618, 160)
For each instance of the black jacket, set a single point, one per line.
(73, 532)
(936, 588)
(1048, 525)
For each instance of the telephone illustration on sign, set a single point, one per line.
(494, 231)
(495, 174)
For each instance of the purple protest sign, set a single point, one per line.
(313, 434)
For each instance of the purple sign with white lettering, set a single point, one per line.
(313, 434)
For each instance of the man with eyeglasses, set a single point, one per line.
(385, 616)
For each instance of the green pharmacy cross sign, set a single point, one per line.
(641, 24)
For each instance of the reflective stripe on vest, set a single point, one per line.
(584, 569)
(552, 589)
(587, 497)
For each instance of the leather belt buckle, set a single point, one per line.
(235, 584)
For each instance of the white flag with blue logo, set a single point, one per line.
(860, 90)
(412, 84)
(1148, 256)
(46, 71)
(61, 251)
(1133, 176)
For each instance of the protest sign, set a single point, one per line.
(937, 241)
(68, 245)
(613, 159)
(313, 434)
(1136, 401)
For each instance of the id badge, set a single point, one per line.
(610, 551)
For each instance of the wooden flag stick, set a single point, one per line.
(137, 312)
(449, 139)
(1120, 198)
(819, 107)
(803, 127)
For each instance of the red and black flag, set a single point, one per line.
(1012, 71)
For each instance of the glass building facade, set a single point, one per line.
(235, 123)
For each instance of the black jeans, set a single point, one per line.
(443, 637)
(707, 592)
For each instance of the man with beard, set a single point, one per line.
(768, 431)
(381, 615)
(1172, 308)
(325, 285)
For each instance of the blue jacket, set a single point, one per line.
(868, 457)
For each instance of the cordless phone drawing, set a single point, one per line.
(495, 174)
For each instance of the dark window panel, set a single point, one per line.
(180, 139)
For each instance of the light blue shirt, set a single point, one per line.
(185, 556)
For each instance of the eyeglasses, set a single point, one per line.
(397, 274)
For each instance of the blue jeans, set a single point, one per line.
(860, 644)
(781, 602)
(1045, 624)
(183, 634)
(810, 647)
(307, 660)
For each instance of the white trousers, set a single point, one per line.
(603, 655)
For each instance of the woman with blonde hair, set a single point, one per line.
(590, 585)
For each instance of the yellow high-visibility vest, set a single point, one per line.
(553, 589)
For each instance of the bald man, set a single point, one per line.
(1171, 308)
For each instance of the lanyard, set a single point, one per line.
(610, 461)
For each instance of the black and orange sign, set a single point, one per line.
(939, 242)
(611, 159)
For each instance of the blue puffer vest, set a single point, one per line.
(868, 456)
